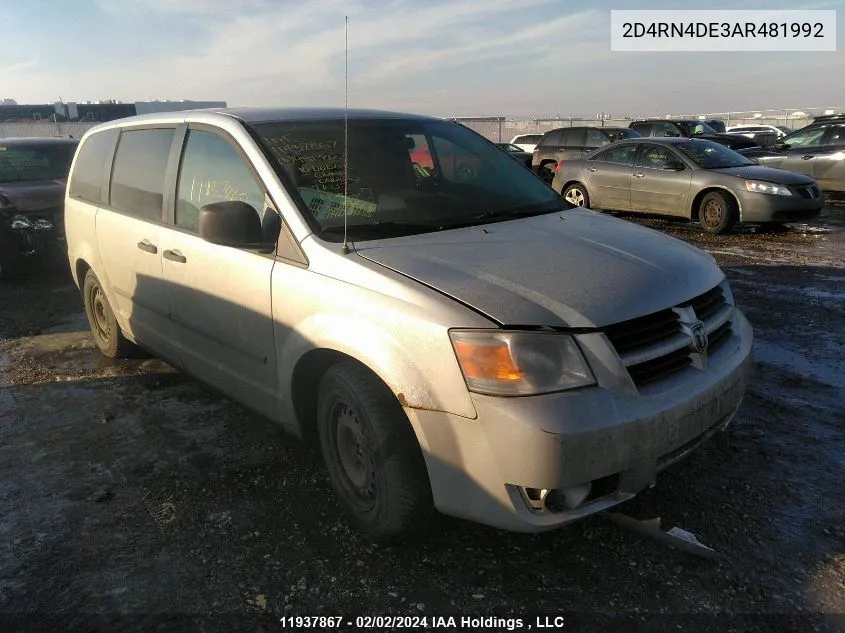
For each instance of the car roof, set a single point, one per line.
(23, 141)
(659, 140)
(265, 115)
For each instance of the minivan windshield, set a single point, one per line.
(710, 155)
(403, 176)
(31, 162)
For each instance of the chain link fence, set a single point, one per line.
(44, 128)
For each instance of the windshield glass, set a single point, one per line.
(404, 176)
(699, 127)
(710, 155)
(22, 163)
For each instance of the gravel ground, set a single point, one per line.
(131, 495)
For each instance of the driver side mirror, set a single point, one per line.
(674, 165)
(232, 223)
(780, 145)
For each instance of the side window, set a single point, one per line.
(86, 182)
(137, 181)
(553, 138)
(212, 171)
(619, 155)
(642, 128)
(835, 135)
(595, 138)
(574, 138)
(655, 157)
(806, 138)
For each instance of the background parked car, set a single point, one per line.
(763, 135)
(753, 128)
(663, 128)
(817, 150)
(519, 154)
(572, 142)
(692, 178)
(33, 175)
(526, 142)
(716, 124)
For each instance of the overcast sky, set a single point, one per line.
(459, 58)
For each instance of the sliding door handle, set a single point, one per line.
(175, 256)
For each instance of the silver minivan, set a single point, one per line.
(455, 335)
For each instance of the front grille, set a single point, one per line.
(659, 345)
(808, 191)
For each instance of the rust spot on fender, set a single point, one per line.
(404, 402)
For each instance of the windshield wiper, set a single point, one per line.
(383, 226)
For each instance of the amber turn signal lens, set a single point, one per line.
(487, 362)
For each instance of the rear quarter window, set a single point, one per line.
(86, 181)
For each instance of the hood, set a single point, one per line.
(768, 174)
(36, 195)
(573, 269)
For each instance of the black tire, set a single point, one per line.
(576, 194)
(104, 327)
(717, 212)
(547, 173)
(372, 455)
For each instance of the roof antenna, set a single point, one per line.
(345, 248)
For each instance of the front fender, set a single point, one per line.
(412, 357)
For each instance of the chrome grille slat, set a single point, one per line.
(655, 347)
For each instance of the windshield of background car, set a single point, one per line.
(700, 127)
(26, 163)
(710, 155)
(404, 176)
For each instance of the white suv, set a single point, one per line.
(461, 341)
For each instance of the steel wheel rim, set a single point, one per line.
(355, 457)
(575, 196)
(712, 213)
(100, 316)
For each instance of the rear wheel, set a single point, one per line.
(717, 212)
(371, 453)
(576, 194)
(104, 327)
(547, 172)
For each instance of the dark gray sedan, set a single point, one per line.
(691, 178)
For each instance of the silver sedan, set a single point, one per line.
(692, 178)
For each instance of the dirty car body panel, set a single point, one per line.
(659, 352)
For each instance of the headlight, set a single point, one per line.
(21, 222)
(767, 187)
(503, 363)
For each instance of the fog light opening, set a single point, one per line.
(535, 498)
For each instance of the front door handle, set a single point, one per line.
(175, 256)
(807, 156)
(149, 247)
(593, 169)
(639, 175)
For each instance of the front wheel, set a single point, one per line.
(374, 461)
(717, 212)
(576, 195)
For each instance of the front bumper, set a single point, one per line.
(762, 207)
(495, 469)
